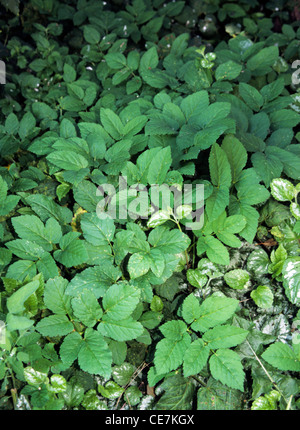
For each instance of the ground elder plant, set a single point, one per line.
(149, 205)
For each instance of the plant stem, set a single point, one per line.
(267, 373)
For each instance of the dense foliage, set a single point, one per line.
(137, 312)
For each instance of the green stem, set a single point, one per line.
(267, 373)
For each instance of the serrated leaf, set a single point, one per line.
(214, 249)
(213, 311)
(159, 166)
(174, 330)
(169, 353)
(225, 366)
(224, 336)
(70, 347)
(282, 356)
(262, 296)
(120, 330)
(96, 230)
(55, 298)
(168, 241)
(191, 309)
(68, 160)
(120, 300)
(112, 123)
(236, 155)
(219, 167)
(251, 96)
(86, 308)
(138, 264)
(195, 358)
(54, 325)
(97, 279)
(94, 355)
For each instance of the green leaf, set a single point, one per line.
(25, 249)
(217, 202)
(196, 278)
(224, 336)
(178, 394)
(174, 330)
(282, 356)
(267, 166)
(134, 126)
(69, 73)
(195, 358)
(287, 117)
(214, 249)
(55, 298)
(70, 347)
(68, 160)
(291, 279)
(96, 230)
(30, 227)
(159, 166)
(120, 330)
(237, 279)
(219, 167)
(72, 253)
(228, 71)
(112, 123)
(42, 111)
(91, 35)
(213, 311)
(35, 378)
(86, 308)
(157, 262)
(120, 300)
(20, 269)
(258, 263)
(96, 279)
(169, 353)
(11, 124)
(194, 104)
(217, 397)
(236, 155)
(115, 60)
(54, 325)
(27, 124)
(16, 322)
(262, 296)
(267, 402)
(190, 309)
(212, 116)
(158, 218)
(46, 208)
(138, 264)
(261, 62)
(251, 96)
(225, 366)
(149, 60)
(168, 241)
(15, 303)
(282, 190)
(94, 355)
